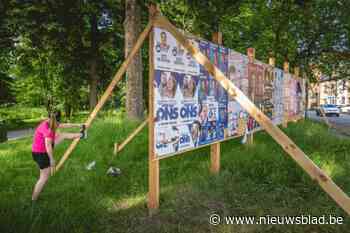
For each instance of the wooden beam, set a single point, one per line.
(281, 138)
(131, 136)
(215, 148)
(296, 71)
(118, 76)
(251, 59)
(153, 162)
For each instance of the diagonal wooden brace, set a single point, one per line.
(281, 138)
(118, 76)
(118, 147)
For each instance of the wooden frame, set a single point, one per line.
(282, 139)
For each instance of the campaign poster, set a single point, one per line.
(255, 90)
(293, 110)
(238, 74)
(278, 97)
(176, 110)
(169, 55)
(287, 84)
(267, 104)
(212, 97)
(302, 96)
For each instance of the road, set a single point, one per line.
(341, 124)
(16, 134)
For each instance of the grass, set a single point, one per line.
(254, 180)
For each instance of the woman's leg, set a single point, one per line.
(61, 136)
(44, 176)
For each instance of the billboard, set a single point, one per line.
(191, 109)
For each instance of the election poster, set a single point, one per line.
(267, 104)
(212, 97)
(255, 90)
(287, 84)
(192, 109)
(238, 74)
(176, 108)
(278, 97)
(169, 55)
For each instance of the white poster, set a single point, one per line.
(278, 97)
(169, 55)
(238, 74)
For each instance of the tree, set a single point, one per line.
(132, 27)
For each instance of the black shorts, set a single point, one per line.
(42, 159)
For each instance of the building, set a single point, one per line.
(329, 92)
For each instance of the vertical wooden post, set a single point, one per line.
(251, 57)
(153, 162)
(296, 72)
(215, 148)
(286, 104)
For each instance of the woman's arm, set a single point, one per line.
(49, 151)
(69, 125)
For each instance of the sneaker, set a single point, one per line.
(83, 133)
(114, 171)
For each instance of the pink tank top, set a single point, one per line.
(41, 132)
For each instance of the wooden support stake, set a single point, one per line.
(215, 148)
(286, 106)
(118, 76)
(131, 136)
(251, 57)
(281, 138)
(153, 162)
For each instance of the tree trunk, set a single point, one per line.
(93, 74)
(93, 84)
(132, 28)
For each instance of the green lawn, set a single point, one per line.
(254, 180)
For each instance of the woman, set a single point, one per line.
(44, 140)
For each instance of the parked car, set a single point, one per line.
(328, 110)
(345, 109)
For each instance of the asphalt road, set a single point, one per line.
(17, 134)
(341, 124)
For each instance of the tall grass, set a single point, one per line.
(254, 180)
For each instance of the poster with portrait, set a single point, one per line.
(255, 90)
(287, 87)
(192, 109)
(238, 74)
(212, 97)
(169, 55)
(278, 97)
(268, 88)
(176, 108)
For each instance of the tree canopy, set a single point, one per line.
(67, 51)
